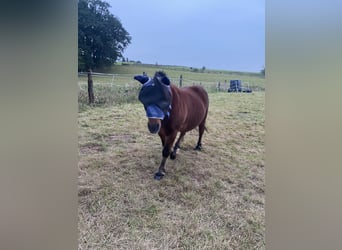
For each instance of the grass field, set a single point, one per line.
(213, 199)
(208, 77)
(120, 87)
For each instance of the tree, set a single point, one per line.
(101, 36)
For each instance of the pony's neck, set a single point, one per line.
(174, 95)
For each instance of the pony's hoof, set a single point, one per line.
(173, 156)
(198, 148)
(158, 176)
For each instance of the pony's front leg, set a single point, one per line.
(166, 152)
(174, 152)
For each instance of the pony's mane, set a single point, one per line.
(161, 77)
(160, 74)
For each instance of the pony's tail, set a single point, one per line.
(206, 114)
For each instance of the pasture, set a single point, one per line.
(121, 88)
(212, 199)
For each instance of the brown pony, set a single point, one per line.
(171, 110)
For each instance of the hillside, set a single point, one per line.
(118, 86)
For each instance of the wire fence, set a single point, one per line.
(127, 79)
(110, 89)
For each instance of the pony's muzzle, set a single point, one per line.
(154, 125)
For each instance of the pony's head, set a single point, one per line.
(155, 94)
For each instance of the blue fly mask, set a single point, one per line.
(155, 94)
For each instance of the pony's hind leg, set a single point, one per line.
(201, 129)
(176, 147)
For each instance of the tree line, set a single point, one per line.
(101, 36)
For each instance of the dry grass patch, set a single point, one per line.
(213, 199)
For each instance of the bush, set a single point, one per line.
(107, 95)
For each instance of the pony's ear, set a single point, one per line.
(165, 80)
(141, 78)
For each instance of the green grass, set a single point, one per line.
(213, 199)
(122, 88)
(208, 77)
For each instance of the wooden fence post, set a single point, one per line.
(90, 88)
(180, 81)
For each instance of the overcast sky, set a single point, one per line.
(217, 34)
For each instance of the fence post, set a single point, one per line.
(180, 80)
(90, 88)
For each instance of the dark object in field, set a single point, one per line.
(236, 86)
(171, 110)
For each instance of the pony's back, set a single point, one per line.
(189, 107)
